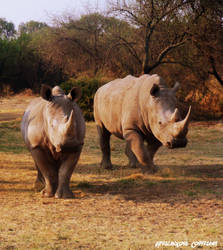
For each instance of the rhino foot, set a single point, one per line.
(107, 165)
(64, 193)
(150, 170)
(47, 194)
(133, 164)
(38, 186)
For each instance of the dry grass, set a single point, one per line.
(119, 209)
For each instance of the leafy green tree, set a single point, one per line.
(31, 26)
(22, 67)
(7, 29)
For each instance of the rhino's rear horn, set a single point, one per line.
(176, 87)
(176, 116)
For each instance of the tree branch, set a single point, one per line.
(214, 70)
(79, 43)
(169, 48)
(131, 49)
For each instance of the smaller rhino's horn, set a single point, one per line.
(69, 125)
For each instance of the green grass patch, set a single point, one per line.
(126, 183)
(166, 181)
(10, 138)
(191, 193)
(84, 184)
(150, 183)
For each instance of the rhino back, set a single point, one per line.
(117, 104)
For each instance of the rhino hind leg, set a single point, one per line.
(104, 141)
(40, 182)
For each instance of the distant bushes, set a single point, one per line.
(88, 87)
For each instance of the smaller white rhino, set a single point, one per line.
(53, 129)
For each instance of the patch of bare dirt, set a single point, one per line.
(121, 209)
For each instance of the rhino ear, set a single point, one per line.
(75, 94)
(155, 90)
(46, 92)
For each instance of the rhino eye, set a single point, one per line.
(160, 123)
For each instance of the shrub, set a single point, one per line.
(88, 87)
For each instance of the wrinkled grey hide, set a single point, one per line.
(53, 129)
(139, 110)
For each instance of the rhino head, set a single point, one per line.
(165, 119)
(60, 119)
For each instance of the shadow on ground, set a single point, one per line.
(171, 184)
(168, 185)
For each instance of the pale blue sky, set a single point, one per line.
(18, 11)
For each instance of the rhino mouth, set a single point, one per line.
(177, 143)
(70, 147)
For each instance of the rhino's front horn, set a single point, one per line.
(69, 125)
(183, 125)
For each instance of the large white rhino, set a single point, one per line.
(53, 129)
(139, 110)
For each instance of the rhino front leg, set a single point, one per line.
(64, 175)
(136, 143)
(104, 141)
(152, 148)
(48, 170)
(132, 158)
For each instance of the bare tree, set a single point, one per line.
(150, 16)
(208, 40)
(93, 43)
